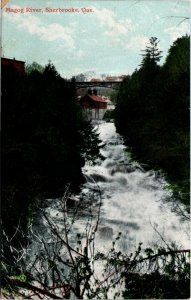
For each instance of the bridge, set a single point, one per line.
(90, 84)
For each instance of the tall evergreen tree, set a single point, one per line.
(152, 54)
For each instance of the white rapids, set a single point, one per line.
(134, 202)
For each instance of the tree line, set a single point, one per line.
(152, 112)
(45, 140)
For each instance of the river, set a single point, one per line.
(126, 199)
(134, 201)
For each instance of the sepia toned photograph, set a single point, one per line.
(95, 149)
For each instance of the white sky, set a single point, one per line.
(108, 40)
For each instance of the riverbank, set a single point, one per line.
(152, 114)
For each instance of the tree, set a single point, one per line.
(152, 54)
(34, 67)
(152, 112)
(80, 77)
(178, 57)
(44, 141)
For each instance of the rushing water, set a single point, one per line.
(135, 202)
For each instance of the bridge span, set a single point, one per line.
(90, 84)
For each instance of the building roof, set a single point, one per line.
(18, 65)
(97, 98)
(12, 60)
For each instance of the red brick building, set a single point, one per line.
(94, 105)
(92, 100)
(17, 65)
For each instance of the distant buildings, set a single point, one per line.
(95, 80)
(110, 79)
(115, 78)
(14, 65)
(95, 106)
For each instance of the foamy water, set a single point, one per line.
(124, 197)
(134, 202)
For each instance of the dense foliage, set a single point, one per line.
(152, 112)
(45, 140)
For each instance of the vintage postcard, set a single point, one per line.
(95, 149)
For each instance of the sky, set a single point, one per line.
(103, 36)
